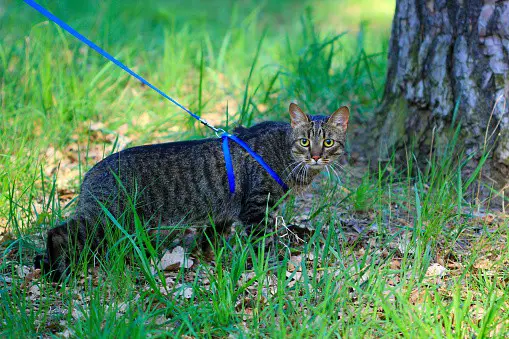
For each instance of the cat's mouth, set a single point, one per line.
(315, 164)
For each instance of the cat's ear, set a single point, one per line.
(340, 118)
(297, 117)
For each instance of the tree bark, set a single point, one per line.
(445, 53)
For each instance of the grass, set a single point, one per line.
(397, 252)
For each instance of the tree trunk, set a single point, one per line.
(445, 53)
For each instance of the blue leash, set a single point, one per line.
(219, 132)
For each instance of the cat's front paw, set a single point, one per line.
(42, 263)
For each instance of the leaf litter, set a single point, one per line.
(358, 229)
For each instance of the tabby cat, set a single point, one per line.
(186, 181)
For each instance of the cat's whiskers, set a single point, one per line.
(335, 172)
(304, 175)
(287, 167)
(293, 170)
(340, 166)
(328, 173)
(299, 192)
(299, 175)
(305, 178)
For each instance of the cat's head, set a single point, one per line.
(318, 140)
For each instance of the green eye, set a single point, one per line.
(304, 142)
(328, 142)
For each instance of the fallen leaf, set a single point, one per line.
(142, 120)
(395, 264)
(22, 271)
(175, 259)
(435, 274)
(295, 261)
(35, 292)
(96, 126)
(3, 224)
(122, 130)
(186, 292)
(487, 218)
(65, 334)
(436, 270)
(417, 296)
(483, 264)
(35, 274)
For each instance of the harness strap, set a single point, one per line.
(228, 163)
(256, 156)
(225, 136)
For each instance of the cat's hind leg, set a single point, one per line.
(63, 247)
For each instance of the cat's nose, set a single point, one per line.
(315, 157)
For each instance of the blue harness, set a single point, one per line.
(219, 132)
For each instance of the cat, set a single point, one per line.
(186, 181)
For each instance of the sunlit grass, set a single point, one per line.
(54, 87)
(380, 281)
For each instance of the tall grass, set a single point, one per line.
(248, 60)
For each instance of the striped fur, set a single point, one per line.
(186, 182)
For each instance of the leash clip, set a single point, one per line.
(221, 133)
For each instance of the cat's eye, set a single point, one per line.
(304, 142)
(328, 142)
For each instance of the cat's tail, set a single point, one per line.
(63, 246)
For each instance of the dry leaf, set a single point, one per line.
(35, 274)
(186, 292)
(35, 292)
(22, 271)
(122, 130)
(483, 264)
(142, 120)
(434, 274)
(96, 126)
(436, 270)
(172, 261)
(3, 224)
(76, 314)
(65, 334)
(454, 265)
(294, 262)
(487, 218)
(417, 296)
